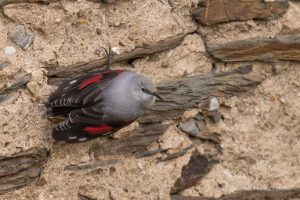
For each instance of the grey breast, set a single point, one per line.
(119, 102)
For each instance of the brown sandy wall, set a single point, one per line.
(252, 138)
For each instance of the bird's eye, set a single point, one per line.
(143, 89)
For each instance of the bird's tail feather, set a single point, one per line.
(74, 133)
(59, 111)
(69, 132)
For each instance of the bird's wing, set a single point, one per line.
(79, 92)
(84, 124)
(79, 100)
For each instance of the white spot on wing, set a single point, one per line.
(82, 139)
(67, 123)
(54, 103)
(72, 82)
(107, 133)
(70, 117)
(73, 137)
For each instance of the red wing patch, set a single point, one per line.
(94, 130)
(94, 79)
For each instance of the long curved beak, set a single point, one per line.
(154, 94)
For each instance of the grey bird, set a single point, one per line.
(99, 104)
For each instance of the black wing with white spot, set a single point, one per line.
(79, 92)
(78, 100)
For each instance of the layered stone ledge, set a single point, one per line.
(285, 48)
(211, 12)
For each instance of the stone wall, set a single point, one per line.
(229, 71)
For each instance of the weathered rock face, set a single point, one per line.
(259, 49)
(6, 2)
(197, 167)
(211, 12)
(166, 44)
(4, 64)
(251, 195)
(18, 170)
(244, 119)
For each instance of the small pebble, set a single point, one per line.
(215, 116)
(41, 182)
(165, 64)
(98, 30)
(112, 170)
(140, 166)
(189, 127)
(80, 13)
(4, 64)
(116, 50)
(210, 104)
(214, 104)
(20, 38)
(9, 51)
(201, 124)
(282, 100)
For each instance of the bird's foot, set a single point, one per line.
(108, 53)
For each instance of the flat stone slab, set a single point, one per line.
(56, 74)
(292, 194)
(20, 169)
(195, 170)
(20, 38)
(211, 12)
(285, 48)
(6, 2)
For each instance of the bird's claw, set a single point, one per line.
(108, 53)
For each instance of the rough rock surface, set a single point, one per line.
(285, 47)
(22, 168)
(211, 12)
(250, 195)
(20, 38)
(255, 141)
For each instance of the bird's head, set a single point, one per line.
(145, 92)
